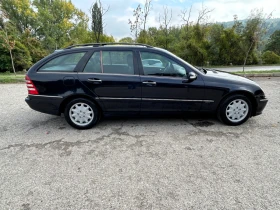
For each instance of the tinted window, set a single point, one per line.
(94, 64)
(158, 65)
(117, 62)
(63, 63)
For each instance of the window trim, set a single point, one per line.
(101, 61)
(84, 61)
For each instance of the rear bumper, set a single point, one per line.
(44, 104)
(261, 105)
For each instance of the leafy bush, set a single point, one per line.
(21, 55)
(5, 61)
(274, 42)
(270, 57)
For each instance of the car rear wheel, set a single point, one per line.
(235, 110)
(81, 113)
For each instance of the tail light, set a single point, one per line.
(30, 86)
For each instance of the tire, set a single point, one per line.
(81, 113)
(235, 110)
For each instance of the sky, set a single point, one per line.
(116, 19)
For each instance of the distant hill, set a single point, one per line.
(274, 24)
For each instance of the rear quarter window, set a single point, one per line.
(63, 63)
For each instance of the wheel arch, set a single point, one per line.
(245, 93)
(72, 97)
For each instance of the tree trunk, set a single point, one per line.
(247, 54)
(145, 19)
(12, 59)
(10, 50)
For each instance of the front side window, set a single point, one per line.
(158, 65)
(117, 62)
(63, 63)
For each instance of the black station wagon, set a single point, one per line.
(88, 81)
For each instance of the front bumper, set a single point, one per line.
(261, 103)
(44, 104)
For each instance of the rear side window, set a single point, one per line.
(111, 62)
(117, 62)
(63, 63)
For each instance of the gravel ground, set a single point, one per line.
(141, 163)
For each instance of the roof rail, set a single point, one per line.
(104, 44)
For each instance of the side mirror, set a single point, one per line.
(192, 76)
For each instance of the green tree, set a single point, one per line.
(6, 40)
(146, 10)
(5, 60)
(126, 40)
(34, 46)
(252, 33)
(143, 38)
(140, 21)
(165, 36)
(274, 42)
(91, 39)
(106, 38)
(215, 40)
(21, 14)
(97, 13)
(57, 19)
(22, 17)
(79, 34)
(224, 46)
(21, 57)
(194, 44)
(135, 25)
(270, 57)
(237, 26)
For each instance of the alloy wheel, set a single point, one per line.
(81, 114)
(237, 110)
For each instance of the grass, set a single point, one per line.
(257, 72)
(228, 66)
(8, 77)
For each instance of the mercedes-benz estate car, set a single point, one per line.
(85, 82)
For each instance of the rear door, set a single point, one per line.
(113, 79)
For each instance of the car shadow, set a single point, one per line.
(197, 120)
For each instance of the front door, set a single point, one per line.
(165, 87)
(113, 79)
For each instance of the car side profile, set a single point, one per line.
(85, 82)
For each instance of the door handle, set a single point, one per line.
(150, 83)
(95, 81)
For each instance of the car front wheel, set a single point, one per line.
(235, 110)
(81, 113)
